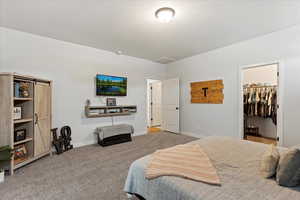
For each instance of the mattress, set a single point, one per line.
(237, 163)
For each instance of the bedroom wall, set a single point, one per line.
(224, 63)
(73, 68)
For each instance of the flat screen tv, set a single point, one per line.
(111, 85)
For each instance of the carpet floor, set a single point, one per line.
(89, 172)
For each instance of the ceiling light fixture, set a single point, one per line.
(165, 14)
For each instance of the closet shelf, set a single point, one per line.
(18, 121)
(23, 141)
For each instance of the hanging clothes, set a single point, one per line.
(261, 101)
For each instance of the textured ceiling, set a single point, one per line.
(130, 25)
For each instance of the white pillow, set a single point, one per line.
(269, 162)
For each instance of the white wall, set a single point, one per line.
(224, 63)
(263, 74)
(73, 69)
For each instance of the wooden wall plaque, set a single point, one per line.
(207, 92)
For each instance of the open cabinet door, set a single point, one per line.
(42, 107)
(170, 105)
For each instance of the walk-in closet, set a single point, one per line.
(260, 95)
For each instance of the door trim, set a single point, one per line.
(280, 111)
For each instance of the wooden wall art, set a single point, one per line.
(207, 92)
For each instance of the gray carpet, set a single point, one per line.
(90, 172)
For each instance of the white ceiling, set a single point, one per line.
(130, 25)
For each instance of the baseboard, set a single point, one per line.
(81, 144)
(196, 135)
(140, 133)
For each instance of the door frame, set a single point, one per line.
(280, 110)
(149, 99)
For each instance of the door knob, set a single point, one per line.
(177, 108)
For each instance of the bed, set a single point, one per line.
(237, 163)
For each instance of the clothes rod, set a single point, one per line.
(270, 86)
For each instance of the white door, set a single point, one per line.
(42, 107)
(170, 105)
(156, 103)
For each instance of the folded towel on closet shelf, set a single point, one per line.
(187, 161)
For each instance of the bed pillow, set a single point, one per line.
(288, 171)
(269, 162)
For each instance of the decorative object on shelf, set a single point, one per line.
(5, 155)
(66, 135)
(111, 102)
(207, 92)
(20, 153)
(24, 89)
(17, 113)
(19, 135)
(58, 142)
(17, 89)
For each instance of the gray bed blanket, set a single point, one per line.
(237, 163)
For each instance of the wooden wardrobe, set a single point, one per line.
(36, 117)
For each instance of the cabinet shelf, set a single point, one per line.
(23, 141)
(22, 99)
(18, 121)
(21, 162)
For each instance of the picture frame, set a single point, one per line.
(111, 102)
(17, 113)
(19, 135)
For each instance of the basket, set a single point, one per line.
(5, 153)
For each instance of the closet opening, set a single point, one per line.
(260, 107)
(154, 105)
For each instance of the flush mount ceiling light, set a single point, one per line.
(165, 14)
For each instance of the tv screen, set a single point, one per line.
(111, 85)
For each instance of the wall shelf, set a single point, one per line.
(109, 111)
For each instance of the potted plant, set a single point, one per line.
(5, 155)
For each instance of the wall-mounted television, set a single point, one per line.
(111, 85)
